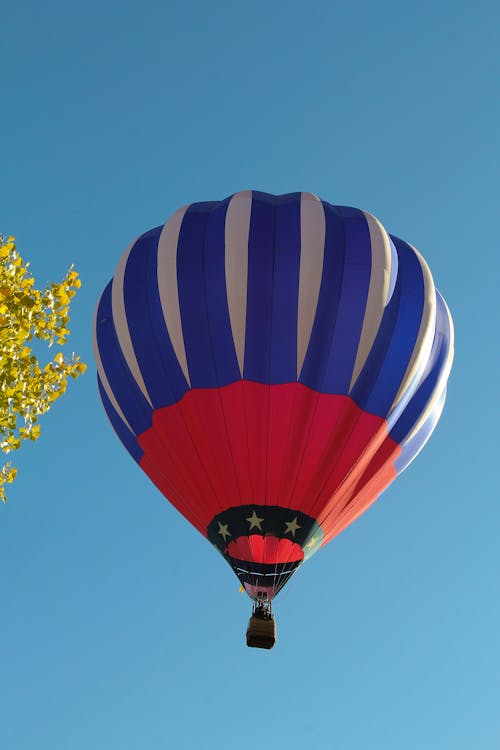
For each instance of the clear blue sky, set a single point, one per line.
(113, 115)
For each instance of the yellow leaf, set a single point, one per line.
(35, 432)
(61, 295)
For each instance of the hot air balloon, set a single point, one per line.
(272, 363)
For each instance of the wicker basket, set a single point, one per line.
(261, 632)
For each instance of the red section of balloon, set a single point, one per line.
(265, 549)
(286, 445)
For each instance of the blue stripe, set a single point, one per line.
(220, 333)
(381, 377)
(315, 368)
(285, 292)
(352, 302)
(127, 438)
(160, 369)
(257, 362)
(192, 301)
(134, 406)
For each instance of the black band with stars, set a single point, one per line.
(264, 520)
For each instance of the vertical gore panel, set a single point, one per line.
(146, 324)
(388, 360)
(169, 383)
(127, 438)
(285, 290)
(220, 332)
(352, 302)
(192, 298)
(128, 394)
(315, 368)
(260, 289)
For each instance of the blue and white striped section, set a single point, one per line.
(123, 391)
(272, 289)
(168, 289)
(312, 256)
(418, 420)
(236, 232)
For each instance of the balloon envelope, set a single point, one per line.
(272, 363)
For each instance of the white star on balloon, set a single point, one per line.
(310, 544)
(223, 530)
(292, 526)
(254, 521)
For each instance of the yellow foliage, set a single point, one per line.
(27, 389)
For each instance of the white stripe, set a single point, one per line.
(378, 291)
(121, 325)
(440, 386)
(312, 254)
(438, 407)
(425, 338)
(102, 374)
(168, 286)
(237, 230)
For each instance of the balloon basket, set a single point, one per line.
(261, 631)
